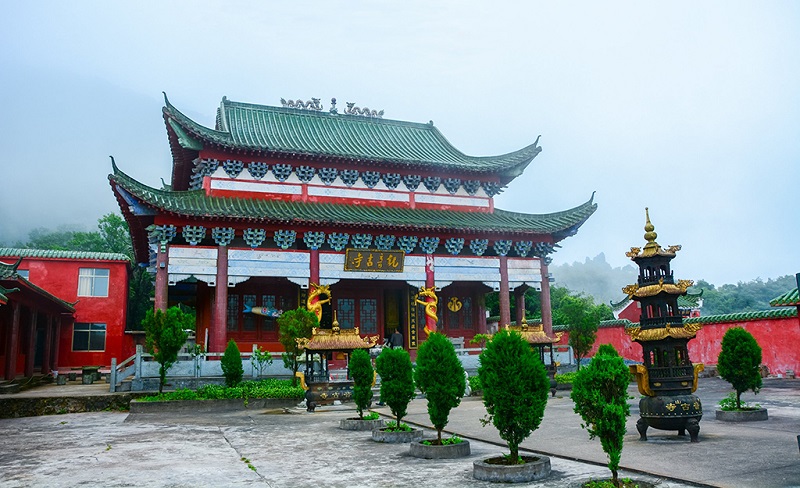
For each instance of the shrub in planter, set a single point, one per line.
(600, 393)
(362, 373)
(231, 363)
(165, 335)
(440, 376)
(397, 381)
(739, 362)
(515, 389)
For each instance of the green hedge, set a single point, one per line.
(267, 388)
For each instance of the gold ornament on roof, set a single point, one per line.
(678, 288)
(652, 248)
(534, 334)
(686, 331)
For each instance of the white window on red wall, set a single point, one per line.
(92, 282)
(89, 337)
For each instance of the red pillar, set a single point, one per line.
(219, 332)
(314, 266)
(482, 328)
(31, 345)
(430, 282)
(70, 319)
(12, 344)
(547, 311)
(162, 278)
(505, 305)
(519, 302)
(48, 341)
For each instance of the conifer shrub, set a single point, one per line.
(600, 393)
(165, 335)
(292, 325)
(397, 381)
(362, 374)
(231, 363)
(515, 389)
(739, 362)
(440, 376)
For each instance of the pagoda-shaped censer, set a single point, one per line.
(667, 378)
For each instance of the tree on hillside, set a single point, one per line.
(165, 335)
(582, 317)
(750, 296)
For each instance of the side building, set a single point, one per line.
(84, 325)
(380, 223)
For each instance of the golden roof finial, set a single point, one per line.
(335, 326)
(650, 236)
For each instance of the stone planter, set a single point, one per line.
(399, 437)
(535, 468)
(358, 424)
(449, 451)
(742, 415)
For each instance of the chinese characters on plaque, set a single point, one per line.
(373, 260)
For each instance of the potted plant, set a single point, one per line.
(515, 391)
(600, 393)
(363, 378)
(397, 389)
(739, 364)
(440, 376)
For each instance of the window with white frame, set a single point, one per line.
(89, 337)
(93, 282)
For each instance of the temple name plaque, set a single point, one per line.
(372, 260)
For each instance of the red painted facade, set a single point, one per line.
(778, 338)
(60, 277)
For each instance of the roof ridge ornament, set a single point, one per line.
(312, 104)
(366, 112)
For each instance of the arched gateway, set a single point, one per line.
(276, 200)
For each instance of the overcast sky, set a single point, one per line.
(689, 108)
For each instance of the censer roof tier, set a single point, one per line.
(652, 248)
(534, 334)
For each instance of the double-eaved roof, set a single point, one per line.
(293, 133)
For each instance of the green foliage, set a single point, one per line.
(444, 442)
(231, 363)
(260, 359)
(582, 317)
(371, 416)
(739, 362)
(397, 381)
(750, 296)
(480, 339)
(566, 378)
(475, 383)
(515, 388)
(600, 393)
(292, 325)
(165, 334)
(728, 404)
(440, 376)
(393, 426)
(362, 373)
(266, 388)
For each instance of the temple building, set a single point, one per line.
(382, 222)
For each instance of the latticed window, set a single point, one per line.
(368, 311)
(269, 302)
(249, 319)
(346, 312)
(233, 312)
(89, 337)
(92, 282)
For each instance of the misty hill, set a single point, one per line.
(595, 277)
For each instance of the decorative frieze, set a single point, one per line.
(371, 178)
(257, 169)
(454, 245)
(223, 235)
(361, 241)
(429, 244)
(542, 249)
(328, 175)
(254, 237)
(412, 182)
(407, 243)
(304, 173)
(472, 187)
(232, 168)
(202, 167)
(338, 240)
(523, 248)
(194, 234)
(314, 239)
(162, 235)
(432, 183)
(349, 176)
(502, 247)
(391, 180)
(452, 185)
(284, 239)
(384, 242)
(478, 246)
(491, 188)
(281, 171)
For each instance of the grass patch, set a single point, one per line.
(267, 388)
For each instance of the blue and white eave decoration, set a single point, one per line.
(194, 234)
(502, 247)
(384, 242)
(407, 243)
(338, 240)
(478, 246)
(284, 239)
(429, 244)
(254, 237)
(454, 245)
(314, 240)
(222, 235)
(361, 241)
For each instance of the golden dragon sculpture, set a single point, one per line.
(315, 302)
(430, 305)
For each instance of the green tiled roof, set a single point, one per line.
(298, 132)
(196, 204)
(57, 254)
(789, 299)
(743, 316)
(9, 270)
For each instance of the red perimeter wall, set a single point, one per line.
(779, 339)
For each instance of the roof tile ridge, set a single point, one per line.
(187, 123)
(563, 213)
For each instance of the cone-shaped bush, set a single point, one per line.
(397, 382)
(600, 393)
(231, 363)
(739, 362)
(515, 388)
(362, 374)
(440, 376)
